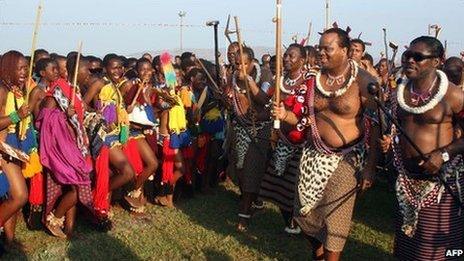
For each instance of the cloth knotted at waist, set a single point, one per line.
(244, 135)
(317, 167)
(415, 194)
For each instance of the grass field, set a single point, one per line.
(202, 228)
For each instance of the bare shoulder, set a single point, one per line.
(454, 97)
(97, 83)
(3, 94)
(364, 78)
(36, 91)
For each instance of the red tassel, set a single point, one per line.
(203, 152)
(102, 183)
(36, 192)
(133, 155)
(168, 162)
(187, 155)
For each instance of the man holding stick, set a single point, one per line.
(251, 130)
(428, 108)
(338, 104)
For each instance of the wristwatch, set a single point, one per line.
(445, 155)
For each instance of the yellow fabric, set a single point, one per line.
(177, 120)
(212, 114)
(10, 107)
(33, 166)
(186, 96)
(110, 94)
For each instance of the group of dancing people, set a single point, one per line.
(95, 132)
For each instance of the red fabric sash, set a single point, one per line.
(133, 155)
(169, 156)
(187, 155)
(36, 189)
(203, 144)
(102, 182)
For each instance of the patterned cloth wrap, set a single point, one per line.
(316, 168)
(319, 161)
(111, 106)
(61, 91)
(95, 126)
(244, 138)
(415, 194)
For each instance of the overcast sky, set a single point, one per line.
(134, 25)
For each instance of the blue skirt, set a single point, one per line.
(181, 140)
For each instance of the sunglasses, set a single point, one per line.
(417, 57)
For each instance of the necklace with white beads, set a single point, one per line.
(342, 90)
(442, 89)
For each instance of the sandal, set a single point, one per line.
(55, 225)
(133, 198)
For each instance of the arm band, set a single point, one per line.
(14, 117)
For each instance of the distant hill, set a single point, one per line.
(204, 53)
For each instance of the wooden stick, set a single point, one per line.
(242, 62)
(139, 90)
(327, 14)
(278, 51)
(209, 75)
(22, 131)
(76, 71)
(386, 49)
(309, 32)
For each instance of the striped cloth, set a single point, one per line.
(280, 190)
(439, 228)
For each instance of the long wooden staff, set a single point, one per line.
(218, 90)
(76, 71)
(242, 62)
(309, 32)
(22, 131)
(386, 48)
(139, 90)
(278, 51)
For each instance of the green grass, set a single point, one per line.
(202, 228)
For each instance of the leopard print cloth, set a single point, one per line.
(316, 169)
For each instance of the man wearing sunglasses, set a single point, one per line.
(428, 107)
